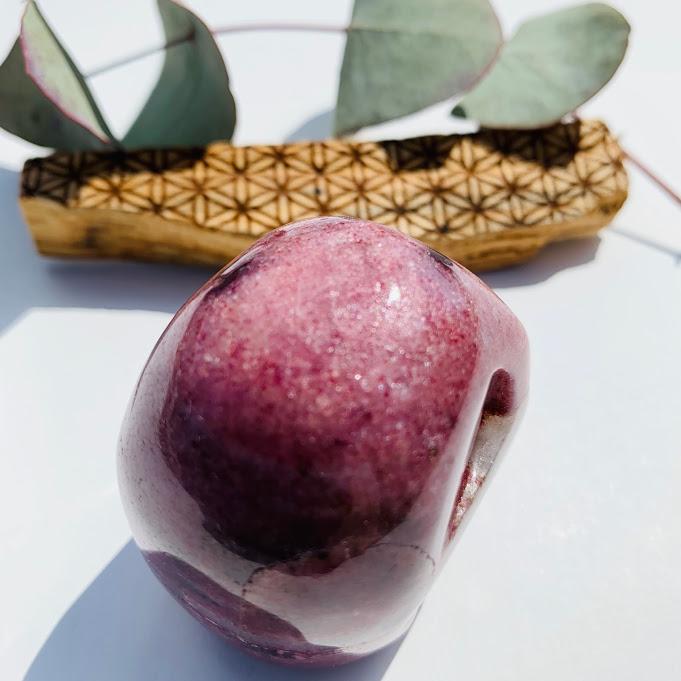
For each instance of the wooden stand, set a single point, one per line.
(487, 200)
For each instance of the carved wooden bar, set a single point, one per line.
(487, 199)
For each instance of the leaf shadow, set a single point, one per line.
(317, 127)
(534, 146)
(81, 168)
(125, 626)
(30, 280)
(538, 147)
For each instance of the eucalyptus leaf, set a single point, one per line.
(551, 66)
(43, 97)
(402, 56)
(191, 104)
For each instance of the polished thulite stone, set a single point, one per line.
(309, 432)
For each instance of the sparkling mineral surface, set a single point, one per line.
(309, 432)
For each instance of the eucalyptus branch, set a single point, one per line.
(224, 30)
(326, 28)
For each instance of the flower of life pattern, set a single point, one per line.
(454, 186)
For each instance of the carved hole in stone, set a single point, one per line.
(493, 429)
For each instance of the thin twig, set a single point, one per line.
(306, 28)
(137, 55)
(224, 30)
(666, 188)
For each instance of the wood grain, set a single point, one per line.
(488, 199)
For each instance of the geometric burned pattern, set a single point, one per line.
(453, 186)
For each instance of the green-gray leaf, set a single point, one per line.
(43, 97)
(402, 56)
(552, 65)
(191, 104)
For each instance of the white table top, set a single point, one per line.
(571, 568)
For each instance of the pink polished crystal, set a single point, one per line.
(309, 432)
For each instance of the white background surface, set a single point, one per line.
(571, 568)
